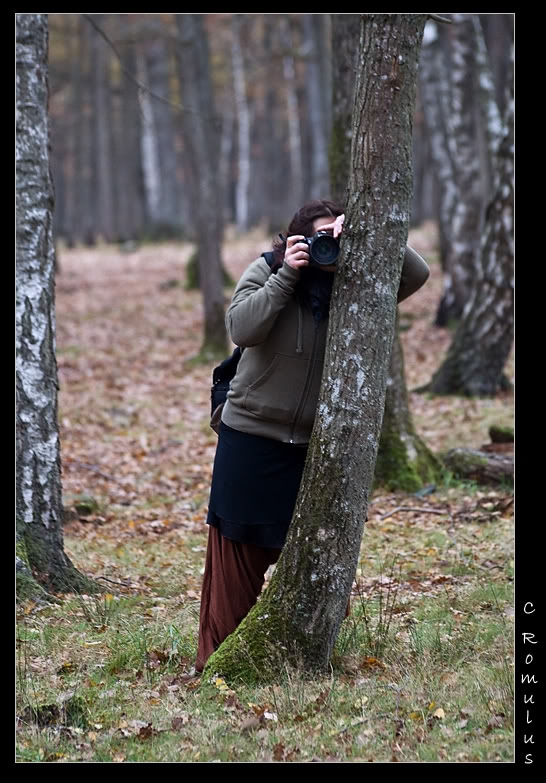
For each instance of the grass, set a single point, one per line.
(421, 672)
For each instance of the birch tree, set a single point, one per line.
(297, 619)
(476, 358)
(40, 550)
(243, 126)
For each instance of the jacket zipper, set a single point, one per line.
(305, 393)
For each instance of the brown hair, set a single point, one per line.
(302, 223)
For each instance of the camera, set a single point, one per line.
(323, 249)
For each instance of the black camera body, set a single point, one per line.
(323, 249)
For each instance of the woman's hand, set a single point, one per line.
(297, 252)
(336, 227)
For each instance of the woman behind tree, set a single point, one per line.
(279, 316)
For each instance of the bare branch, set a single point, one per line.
(438, 18)
(410, 508)
(126, 72)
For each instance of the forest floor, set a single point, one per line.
(423, 667)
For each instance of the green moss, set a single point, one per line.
(396, 471)
(192, 274)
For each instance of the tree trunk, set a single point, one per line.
(149, 149)
(294, 198)
(73, 232)
(104, 191)
(131, 207)
(403, 461)
(319, 102)
(168, 217)
(87, 180)
(434, 84)
(490, 116)
(243, 127)
(201, 136)
(475, 361)
(345, 40)
(482, 466)
(39, 496)
(468, 213)
(297, 619)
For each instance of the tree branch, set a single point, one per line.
(438, 18)
(410, 508)
(128, 73)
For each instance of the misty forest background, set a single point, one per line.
(103, 678)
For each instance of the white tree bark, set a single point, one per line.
(150, 154)
(39, 495)
(243, 127)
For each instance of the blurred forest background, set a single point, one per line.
(120, 163)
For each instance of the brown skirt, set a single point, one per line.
(233, 579)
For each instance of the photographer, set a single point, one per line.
(279, 316)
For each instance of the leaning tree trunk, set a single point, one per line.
(297, 619)
(403, 461)
(40, 548)
(201, 138)
(475, 361)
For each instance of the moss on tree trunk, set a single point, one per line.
(297, 620)
(404, 462)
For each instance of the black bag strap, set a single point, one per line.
(270, 258)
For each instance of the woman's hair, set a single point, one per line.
(302, 223)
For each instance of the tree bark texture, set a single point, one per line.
(434, 80)
(345, 42)
(476, 357)
(403, 460)
(201, 138)
(297, 619)
(38, 485)
(484, 467)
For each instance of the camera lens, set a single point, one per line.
(324, 249)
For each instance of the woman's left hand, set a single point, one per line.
(336, 226)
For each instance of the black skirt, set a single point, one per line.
(255, 484)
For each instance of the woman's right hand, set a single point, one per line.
(296, 254)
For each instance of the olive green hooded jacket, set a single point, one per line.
(276, 387)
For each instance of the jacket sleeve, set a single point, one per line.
(258, 299)
(415, 273)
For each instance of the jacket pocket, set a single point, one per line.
(275, 394)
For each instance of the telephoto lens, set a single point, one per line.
(323, 249)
